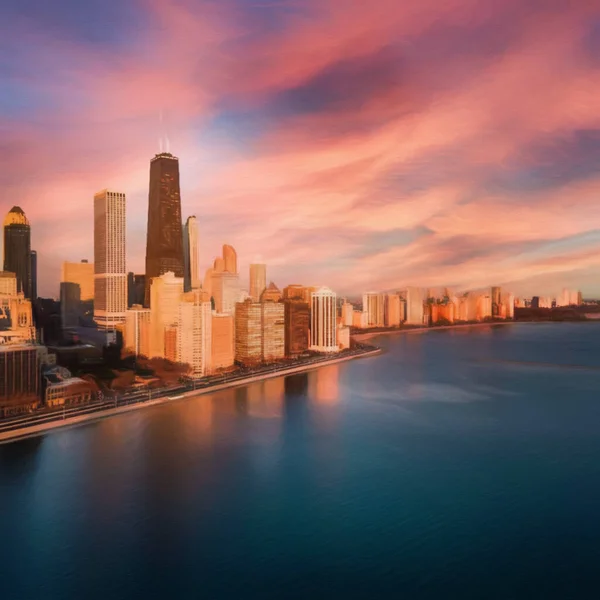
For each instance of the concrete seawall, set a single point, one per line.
(35, 430)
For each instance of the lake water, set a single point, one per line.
(459, 464)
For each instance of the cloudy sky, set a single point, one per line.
(359, 144)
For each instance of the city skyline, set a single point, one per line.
(467, 156)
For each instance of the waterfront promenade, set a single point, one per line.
(34, 424)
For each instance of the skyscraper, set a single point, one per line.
(484, 307)
(136, 289)
(17, 249)
(300, 292)
(164, 241)
(33, 267)
(496, 300)
(82, 274)
(248, 332)
(414, 306)
(347, 314)
(258, 281)
(374, 306)
(297, 321)
(166, 292)
(230, 259)
(323, 324)
(70, 304)
(194, 333)
(259, 332)
(273, 331)
(393, 317)
(137, 330)
(110, 275)
(222, 342)
(225, 290)
(191, 276)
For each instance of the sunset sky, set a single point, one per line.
(358, 144)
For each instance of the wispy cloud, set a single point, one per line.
(357, 144)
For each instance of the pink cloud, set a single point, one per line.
(327, 170)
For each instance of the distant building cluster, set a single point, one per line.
(421, 307)
(566, 298)
(205, 321)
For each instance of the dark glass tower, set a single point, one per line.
(33, 267)
(17, 249)
(164, 241)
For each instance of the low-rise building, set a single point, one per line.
(62, 389)
(20, 389)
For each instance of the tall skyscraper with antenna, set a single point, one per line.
(164, 241)
(17, 249)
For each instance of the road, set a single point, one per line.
(117, 400)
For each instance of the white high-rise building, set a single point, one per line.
(191, 272)
(165, 297)
(110, 274)
(258, 281)
(323, 321)
(194, 333)
(414, 306)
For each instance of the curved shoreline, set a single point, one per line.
(368, 335)
(37, 430)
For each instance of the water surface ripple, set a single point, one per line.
(458, 464)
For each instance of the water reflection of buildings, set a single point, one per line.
(265, 398)
(323, 386)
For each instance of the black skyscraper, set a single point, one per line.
(164, 242)
(33, 267)
(136, 288)
(17, 249)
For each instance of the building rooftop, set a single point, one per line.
(16, 216)
(164, 155)
(68, 382)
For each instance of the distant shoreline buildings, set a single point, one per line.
(205, 324)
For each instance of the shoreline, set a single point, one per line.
(359, 337)
(37, 430)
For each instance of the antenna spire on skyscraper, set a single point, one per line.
(160, 131)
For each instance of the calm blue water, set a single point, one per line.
(460, 464)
